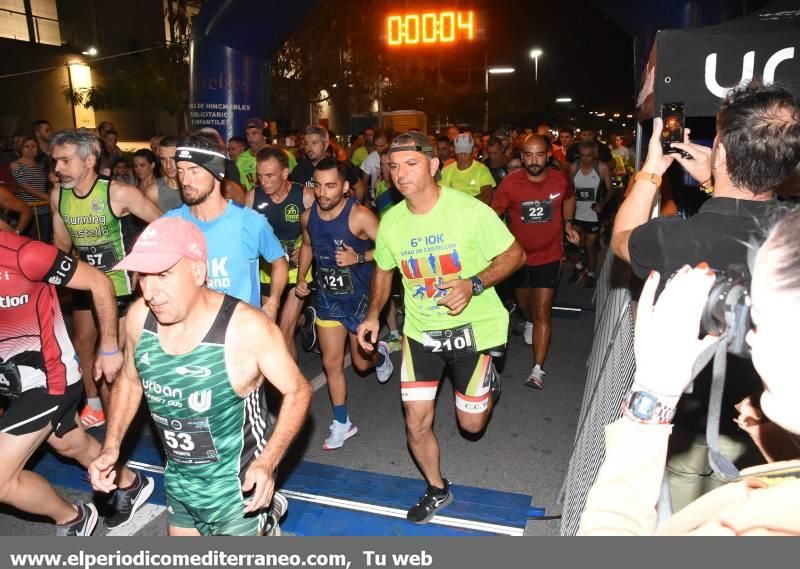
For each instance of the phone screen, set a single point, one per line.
(674, 121)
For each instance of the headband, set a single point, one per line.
(212, 161)
(412, 148)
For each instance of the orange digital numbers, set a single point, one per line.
(430, 28)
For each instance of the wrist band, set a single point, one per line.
(647, 177)
(113, 352)
(707, 186)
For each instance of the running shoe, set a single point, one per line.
(384, 371)
(577, 276)
(82, 526)
(340, 432)
(535, 379)
(527, 333)
(431, 502)
(279, 506)
(92, 418)
(395, 341)
(308, 332)
(127, 502)
(494, 386)
(590, 282)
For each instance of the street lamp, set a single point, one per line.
(564, 100)
(535, 54)
(493, 71)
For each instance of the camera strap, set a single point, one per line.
(721, 464)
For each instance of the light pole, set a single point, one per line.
(493, 71)
(535, 53)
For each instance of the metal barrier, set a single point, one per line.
(609, 376)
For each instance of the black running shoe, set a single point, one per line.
(83, 526)
(430, 503)
(495, 385)
(308, 332)
(126, 502)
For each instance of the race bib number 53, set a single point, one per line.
(187, 441)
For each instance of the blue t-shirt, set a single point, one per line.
(235, 241)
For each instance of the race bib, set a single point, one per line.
(10, 381)
(585, 194)
(336, 281)
(187, 441)
(459, 339)
(537, 211)
(103, 256)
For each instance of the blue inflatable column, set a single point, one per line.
(226, 87)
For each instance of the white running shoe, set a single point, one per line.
(340, 432)
(536, 378)
(527, 334)
(384, 371)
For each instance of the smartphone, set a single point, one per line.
(674, 121)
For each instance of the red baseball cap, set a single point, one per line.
(162, 244)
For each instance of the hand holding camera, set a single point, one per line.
(665, 368)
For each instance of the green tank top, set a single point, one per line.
(209, 434)
(95, 231)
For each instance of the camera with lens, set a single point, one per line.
(727, 309)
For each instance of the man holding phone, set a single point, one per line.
(756, 147)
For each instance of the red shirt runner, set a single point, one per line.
(534, 213)
(33, 337)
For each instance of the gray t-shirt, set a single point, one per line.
(168, 198)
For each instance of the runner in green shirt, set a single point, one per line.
(198, 358)
(468, 175)
(451, 251)
(246, 162)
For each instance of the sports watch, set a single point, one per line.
(644, 407)
(477, 286)
(361, 258)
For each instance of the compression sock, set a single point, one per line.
(94, 403)
(340, 413)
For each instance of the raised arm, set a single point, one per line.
(128, 199)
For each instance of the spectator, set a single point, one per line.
(145, 169)
(42, 131)
(763, 502)
(110, 151)
(31, 181)
(121, 171)
(757, 146)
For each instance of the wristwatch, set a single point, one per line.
(361, 258)
(477, 286)
(644, 407)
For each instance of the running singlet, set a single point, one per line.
(168, 198)
(469, 181)
(343, 292)
(535, 213)
(386, 198)
(96, 231)
(209, 433)
(457, 239)
(586, 186)
(284, 218)
(235, 241)
(35, 349)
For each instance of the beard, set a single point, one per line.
(535, 169)
(197, 199)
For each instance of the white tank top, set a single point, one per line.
(586, 194)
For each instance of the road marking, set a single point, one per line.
(398, 513)
(141, 518)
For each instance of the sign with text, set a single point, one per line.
(431, 28)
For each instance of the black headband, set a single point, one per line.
(412, 148)
(212, 161)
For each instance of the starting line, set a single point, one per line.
(331, 500)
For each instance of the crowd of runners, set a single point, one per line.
(191, 280)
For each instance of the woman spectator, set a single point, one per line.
(764, 500)
(32, 188)
(145, 168)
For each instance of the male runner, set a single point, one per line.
(282, 203)
(451, 250)
(91, 214)
(338, 234)
(538, 200)
(200, 358)
(316, 142)
(39, 374)
(588, 176)
(237, 236)
(166, 192)
(246, 161)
